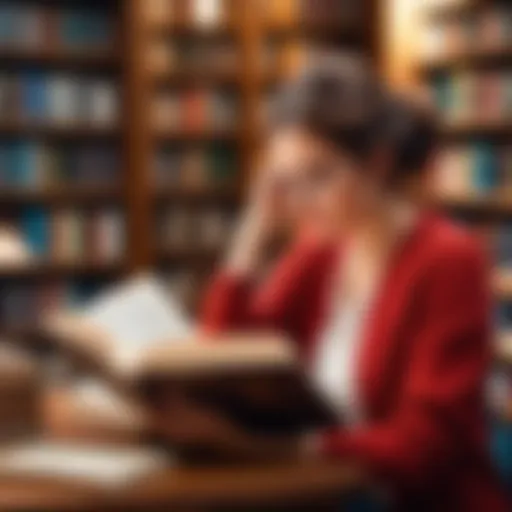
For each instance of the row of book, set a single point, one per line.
(195, 167)
(72, 235)
(23, 304)
(58, 98)
(33, 164)
(485, 31)
(205, 13)
(194, 56)
(475, 97)
(189, 229)
(32, 27)
(314, 12)
(474, 169)
(195, 109)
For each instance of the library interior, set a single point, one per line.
(165, 340)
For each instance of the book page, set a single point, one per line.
(137, 314)
(94, 464)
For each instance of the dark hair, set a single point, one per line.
(338, 97)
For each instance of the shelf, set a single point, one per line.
(197, 135)
(450, 10)
(207, 194)
(86, 59)
(54, 269)
(478, 129)
(498, 206)
(188, 30)
(34, 129)
(206, 77)
(193, 255)
(61, 195)
(328, 32)
(468, 60)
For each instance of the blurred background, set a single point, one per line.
(128, 128)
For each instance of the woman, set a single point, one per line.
(387, 302)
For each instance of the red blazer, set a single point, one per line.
(422, 366)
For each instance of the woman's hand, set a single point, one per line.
(258, 223)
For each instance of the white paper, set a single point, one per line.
(96, 464)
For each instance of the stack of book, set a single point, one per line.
(36, 165)
(469, 97)
(195, 167)
(72, 235)
(185, 229)
(476, 169)
(195, 110)
(58, 99)
(33, 27)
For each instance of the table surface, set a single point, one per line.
(263, 487)
(236, 488)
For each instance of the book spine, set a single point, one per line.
(36, 230)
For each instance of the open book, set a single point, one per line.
(139, 339)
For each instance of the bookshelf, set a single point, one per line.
(174, 121)
(467, 62)
(62, 153)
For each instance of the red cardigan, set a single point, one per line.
(422, 366)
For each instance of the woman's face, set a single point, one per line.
(322, 188)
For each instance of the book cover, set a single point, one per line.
(36, 229)
(485, 174)
(34, 95)
(63, 99)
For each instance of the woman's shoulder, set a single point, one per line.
(448, 246)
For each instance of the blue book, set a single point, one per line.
(485, 172)
(24, 169)
(35, 225)
(34, 92)
(97, 28)
(443, 92)
(4, 164)
(8, 23)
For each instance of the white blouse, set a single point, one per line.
(336, 361)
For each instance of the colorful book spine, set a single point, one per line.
(36, 229)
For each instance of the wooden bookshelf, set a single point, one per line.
(55, 57)
(490, 205)
(125, 62)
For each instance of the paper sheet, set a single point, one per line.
(94, 464)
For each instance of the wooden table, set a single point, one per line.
(292, 487)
